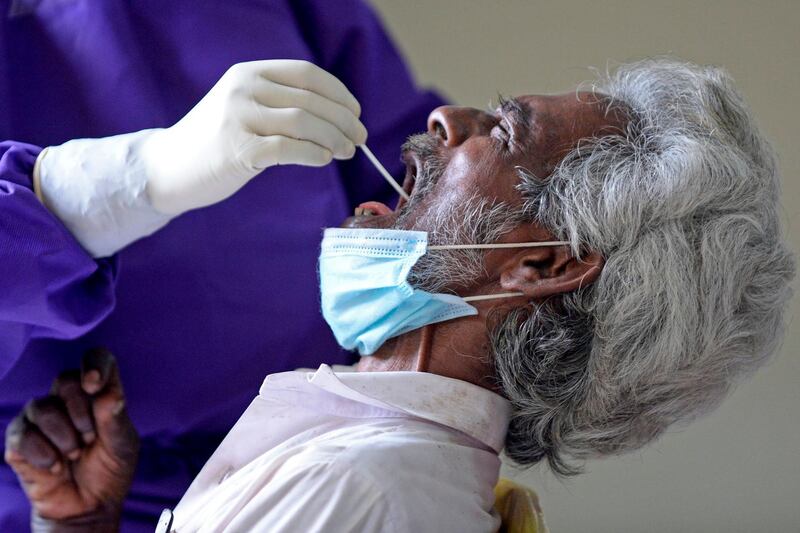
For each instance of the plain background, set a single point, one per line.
(738, 469)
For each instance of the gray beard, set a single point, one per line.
(476, 221)
(432, 166)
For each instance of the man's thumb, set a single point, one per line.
(100, 379)
(99, 373)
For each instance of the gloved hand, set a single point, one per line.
(112, 191)
(75, 450)
(260, 114)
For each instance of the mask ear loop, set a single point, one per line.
(534, 244)
(492, 296)
(495, 245)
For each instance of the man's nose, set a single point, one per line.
(454, 124)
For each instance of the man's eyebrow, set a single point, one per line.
(517, 112)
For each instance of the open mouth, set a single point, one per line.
(373, 214)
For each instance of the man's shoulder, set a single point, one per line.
(396, 455)
(385, 472)
(403, 463)
(378, 438)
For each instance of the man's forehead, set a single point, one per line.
(565, 104)
(575, 115)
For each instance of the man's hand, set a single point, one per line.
(75, 450)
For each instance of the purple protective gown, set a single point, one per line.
(200, 312)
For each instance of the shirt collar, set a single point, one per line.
(473, 410)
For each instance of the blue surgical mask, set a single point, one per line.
(366, 297)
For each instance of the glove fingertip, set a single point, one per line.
(325, 157)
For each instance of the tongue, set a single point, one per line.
(376, 207)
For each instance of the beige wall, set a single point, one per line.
(737, 470)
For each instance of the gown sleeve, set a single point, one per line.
(49, 286)
(348, 40)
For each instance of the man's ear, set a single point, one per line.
(543, 272)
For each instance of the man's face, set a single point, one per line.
(468, 153)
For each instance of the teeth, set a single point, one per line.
(363, 211)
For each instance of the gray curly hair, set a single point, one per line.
(684, 206)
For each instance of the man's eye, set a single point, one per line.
(503, 132)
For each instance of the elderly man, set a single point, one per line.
(622, 257)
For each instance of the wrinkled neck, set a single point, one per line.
(408, 352)
(457, 349)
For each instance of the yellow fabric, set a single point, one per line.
(518, 508)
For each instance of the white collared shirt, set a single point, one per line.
(353, 451)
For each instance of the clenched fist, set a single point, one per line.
(74, 451)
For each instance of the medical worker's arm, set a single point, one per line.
(49, 286)
(74, 451)
(358, 51)
(111, 191)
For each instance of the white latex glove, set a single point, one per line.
(259, 114)
(111, 191)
